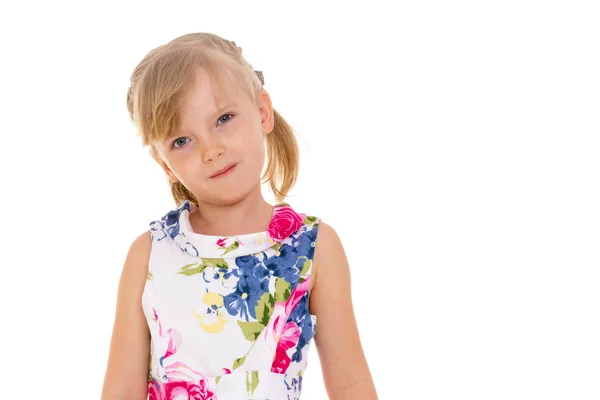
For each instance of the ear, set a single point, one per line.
(157, 157)
(265, 108)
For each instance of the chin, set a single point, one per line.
(228, 197)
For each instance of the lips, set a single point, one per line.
(224, 171)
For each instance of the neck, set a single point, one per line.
(249, 215)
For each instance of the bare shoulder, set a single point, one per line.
(143, 242)
(129, 353)
(135, 268)
(139, 254)
(331, 271)
(345, 369)
(327, 235)
(330, 256)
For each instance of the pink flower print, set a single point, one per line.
(155, 391)
(287, 340)
(281, 336)
(221, 242)
(184, 390)
(226, 371)
(174, 342)
(178, 371)
(179, 390)
(158, 322)
(285, 221)
(182, 381)
(174, 339)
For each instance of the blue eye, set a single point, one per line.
(179, 142)
(224, 118)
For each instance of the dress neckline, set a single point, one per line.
(284, 222)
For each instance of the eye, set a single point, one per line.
(179, 142)
(224, 118)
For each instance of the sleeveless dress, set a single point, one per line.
(229, 316)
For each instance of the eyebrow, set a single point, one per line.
(229, 105)
(176, 133)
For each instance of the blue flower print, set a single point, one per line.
(156, 231)
(288, 255)
(246, 262)
(221, 280)
(219, 273)
(189, 248)
(294, 386)
(171, 220)
(305, 243)
(246, 296)
(301, 317)
(281, 266)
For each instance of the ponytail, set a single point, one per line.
(283, 158)
(181, 193)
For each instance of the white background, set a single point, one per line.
(454, 146)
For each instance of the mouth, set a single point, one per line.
(225, 171)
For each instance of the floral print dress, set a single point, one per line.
(229, 316)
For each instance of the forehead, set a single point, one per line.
(210, 92)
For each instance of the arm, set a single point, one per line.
(126, 375)
(345, 370)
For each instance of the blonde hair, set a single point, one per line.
(163, 77)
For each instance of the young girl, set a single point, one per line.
(221, 298)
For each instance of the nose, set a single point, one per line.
(212, 152)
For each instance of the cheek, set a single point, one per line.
(181, 162)
(254, 154)
(261, 151)
(249, 143)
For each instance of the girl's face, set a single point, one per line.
(217, 132)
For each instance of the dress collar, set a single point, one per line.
(284, 222)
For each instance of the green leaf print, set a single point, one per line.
(264, 308)
(306, 267)
(231, 247)
(251, 329)
(282, 290)
(191, 269)
(237, 363)
(254, 380)
(215, 262)
(150, 276)
(251, 381)
(277, 247)
(310, 220)
(217, 379)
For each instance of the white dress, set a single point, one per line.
(229, 316)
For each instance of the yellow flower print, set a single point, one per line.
(213, 299)
(212, 321)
